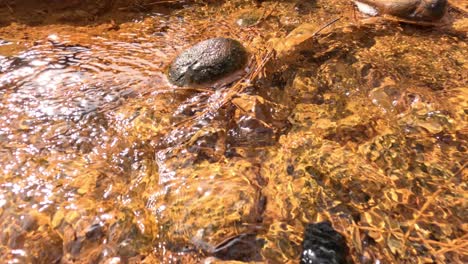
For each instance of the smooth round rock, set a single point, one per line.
(416, 10)
(207, 61)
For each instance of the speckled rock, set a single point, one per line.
(207, 61)
(416, 10)
(322, 244)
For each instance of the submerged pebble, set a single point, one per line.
(417, 10)
(248, 18)
(322, 244)
(208, 61)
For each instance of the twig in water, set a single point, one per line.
(265, 16)
(9, 8)
(429, 201)
(325, 26)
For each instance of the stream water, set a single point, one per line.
(103, 161)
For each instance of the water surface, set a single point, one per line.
(103, 161)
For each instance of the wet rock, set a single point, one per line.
(29, 222)
(94, 232)
(417, 10)
(207, 62)
(244, 247)
(304, 7)
(248, 18)
(322, 244)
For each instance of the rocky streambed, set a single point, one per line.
(225, 131)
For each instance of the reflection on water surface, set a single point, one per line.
(103, 161)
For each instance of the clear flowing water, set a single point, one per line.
(103, 161)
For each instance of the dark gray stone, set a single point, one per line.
(207, 61)
(323, 245)
(416, 10)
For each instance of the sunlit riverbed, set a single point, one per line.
(103, 161)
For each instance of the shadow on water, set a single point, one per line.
(87, 12)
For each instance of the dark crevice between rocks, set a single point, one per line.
(322, 244)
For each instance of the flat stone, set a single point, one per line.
(207, 62)
(415, 10)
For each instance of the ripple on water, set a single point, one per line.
(56, 98)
